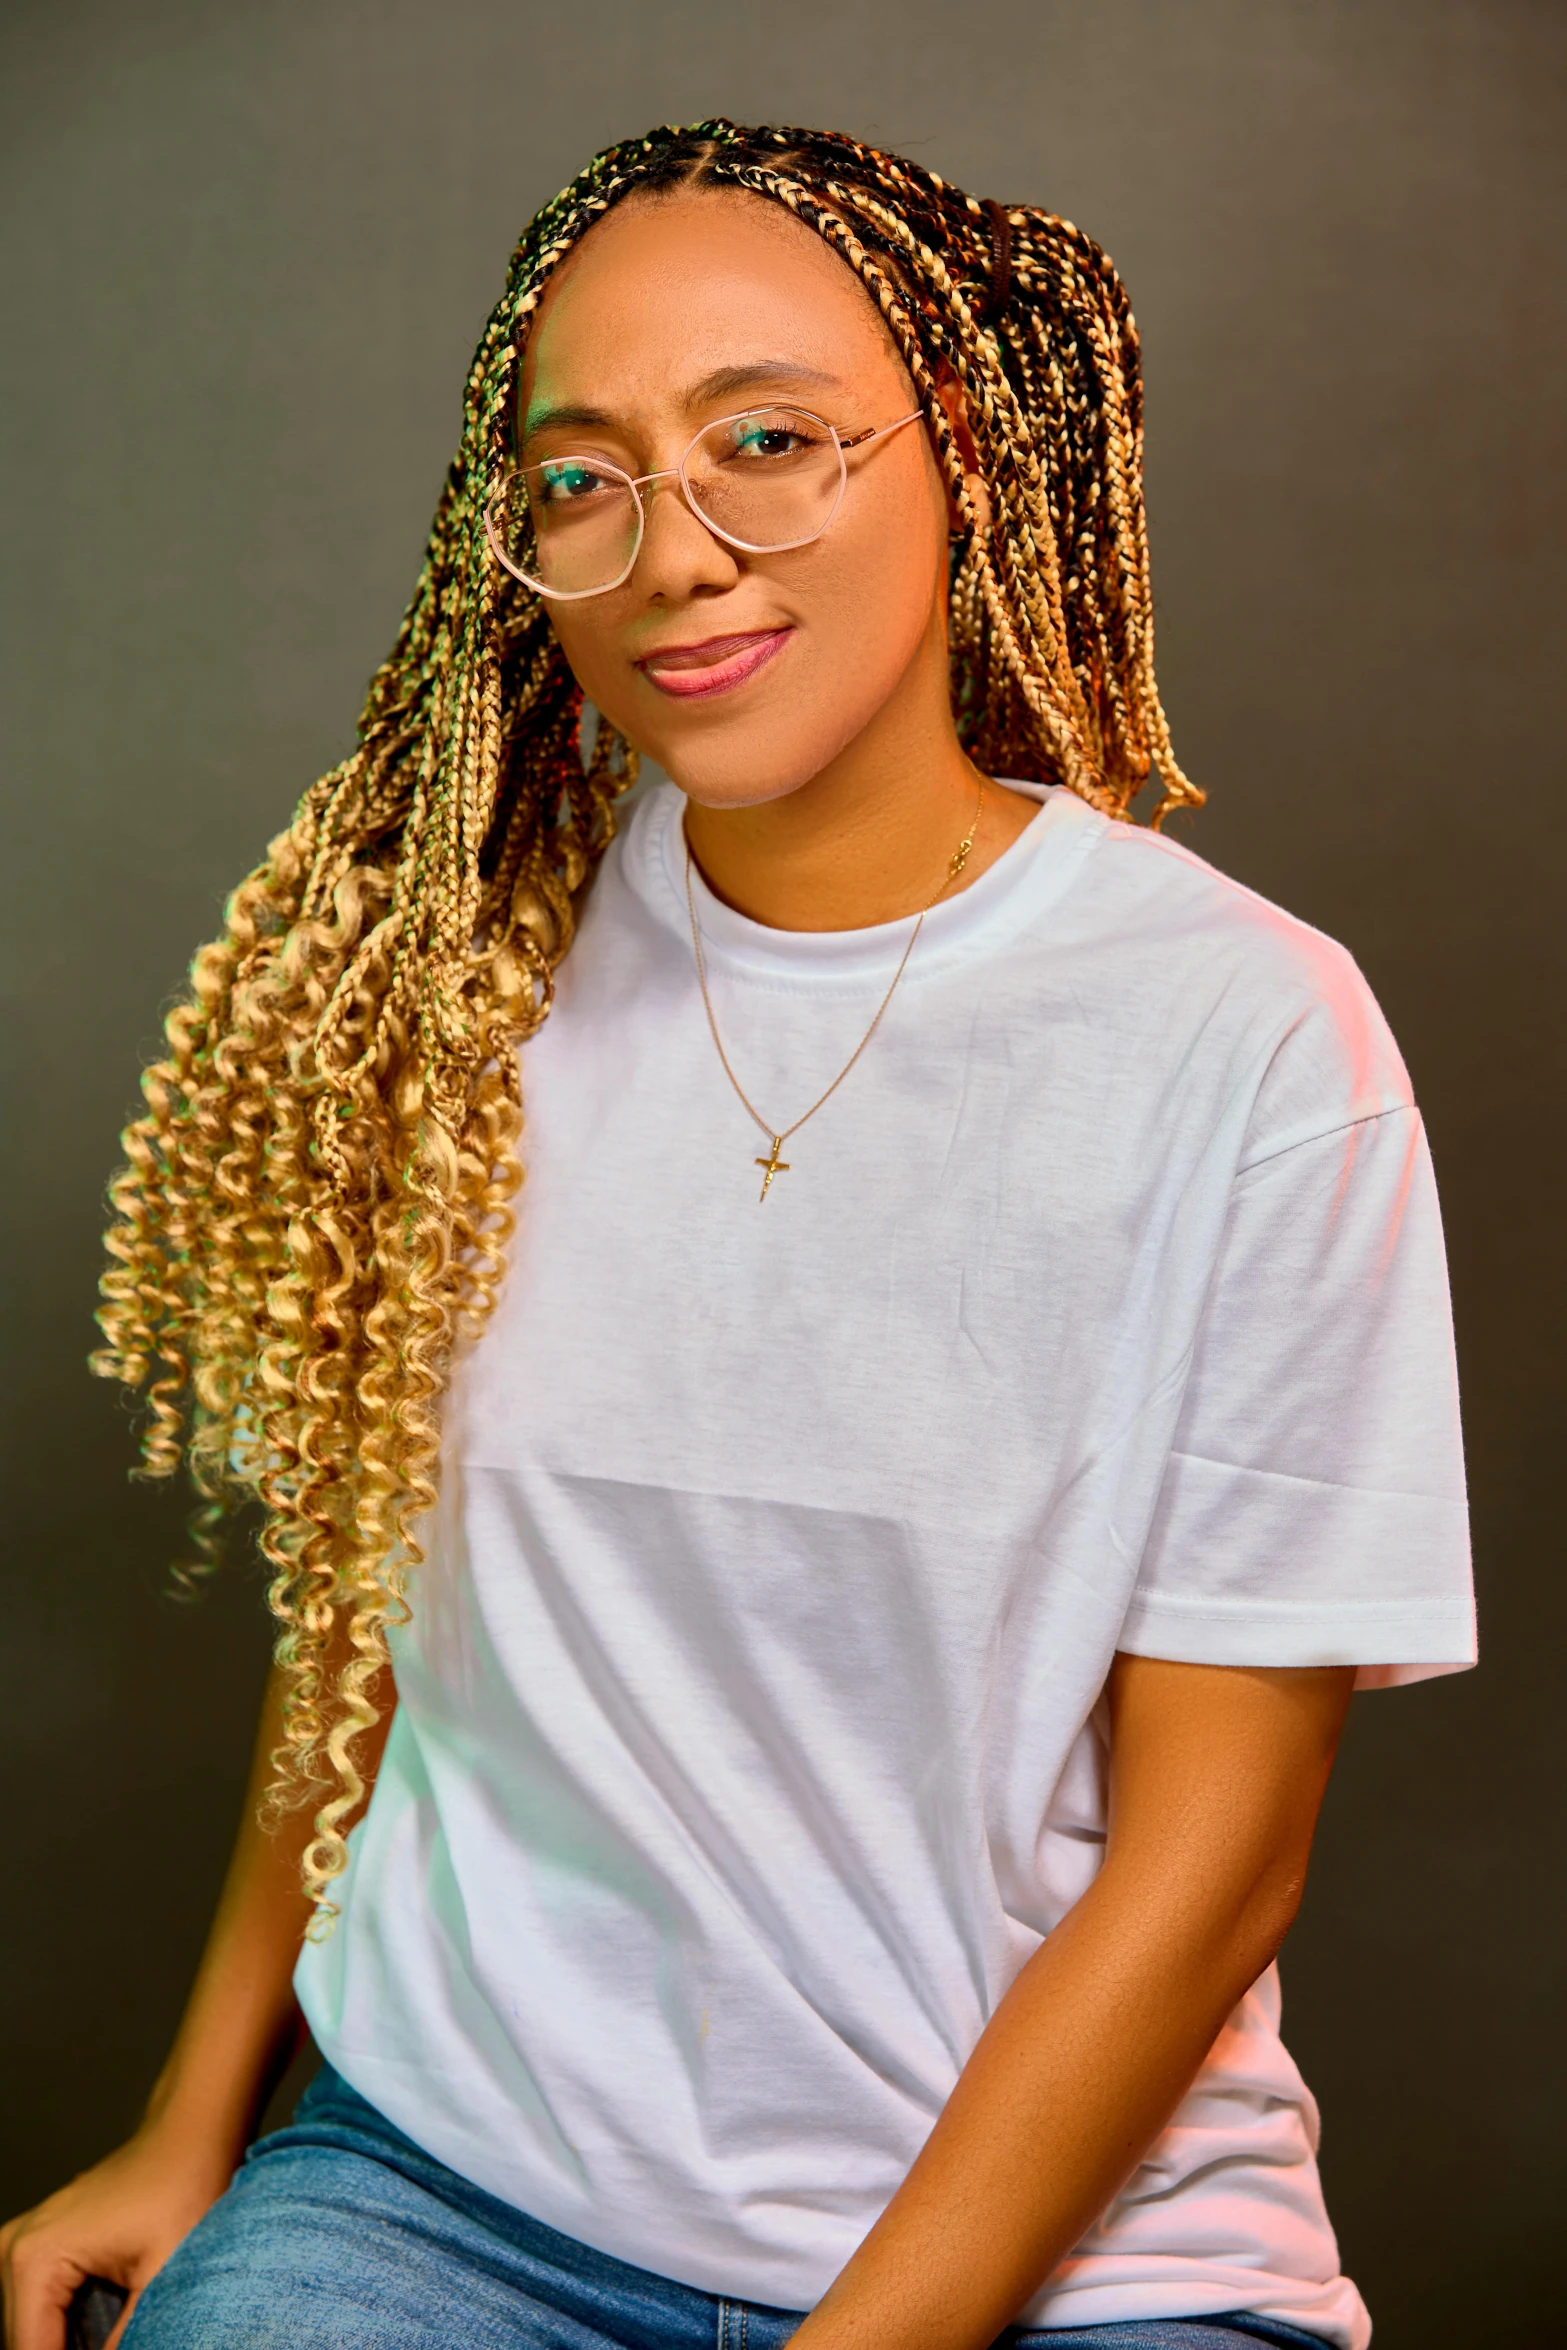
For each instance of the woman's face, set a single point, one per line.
(742, 675)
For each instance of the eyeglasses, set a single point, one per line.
(769, 479)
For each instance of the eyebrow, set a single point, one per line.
(722, 384)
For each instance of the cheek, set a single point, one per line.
(870, 597)
(592, 653)
(865, 613)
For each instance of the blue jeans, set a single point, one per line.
(339, 2233)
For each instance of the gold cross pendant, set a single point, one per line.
(774, 1166)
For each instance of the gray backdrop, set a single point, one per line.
(247, 249)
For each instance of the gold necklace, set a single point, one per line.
(773, 1164)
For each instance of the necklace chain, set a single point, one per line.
(774, 1165)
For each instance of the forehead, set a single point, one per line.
(667, 291)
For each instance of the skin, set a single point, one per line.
(826, 790)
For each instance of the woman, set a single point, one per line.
(854, 1631)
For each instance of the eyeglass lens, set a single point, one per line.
(766, 480)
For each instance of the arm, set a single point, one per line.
(1217, 1773)
(241, 2027)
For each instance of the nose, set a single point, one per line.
(679, 557)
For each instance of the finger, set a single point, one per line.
(40, 2295)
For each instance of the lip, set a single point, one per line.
(714, 666)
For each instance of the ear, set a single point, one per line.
(949, 391)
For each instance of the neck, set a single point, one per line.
(869, 837)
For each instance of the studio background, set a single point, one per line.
(247, 250)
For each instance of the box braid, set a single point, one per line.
(316, 1203)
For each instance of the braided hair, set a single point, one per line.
(316, 1204)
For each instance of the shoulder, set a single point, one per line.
(1222, 968)
(1177, 899)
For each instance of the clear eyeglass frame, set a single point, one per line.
(635, 483)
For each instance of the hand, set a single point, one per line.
(119, 2220)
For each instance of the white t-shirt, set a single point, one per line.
(750, 1734)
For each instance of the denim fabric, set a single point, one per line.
(338, 2233)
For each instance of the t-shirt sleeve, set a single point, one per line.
(1313, 1509)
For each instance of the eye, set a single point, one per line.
(570, 481)
(768, 438)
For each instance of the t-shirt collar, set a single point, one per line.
(1036, 866)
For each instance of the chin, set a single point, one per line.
(714, 785)
(748, 766)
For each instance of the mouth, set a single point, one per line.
(716, 666)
